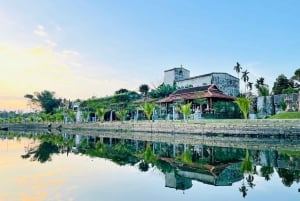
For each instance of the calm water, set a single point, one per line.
(66, 167)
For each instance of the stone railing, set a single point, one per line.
(256, 128)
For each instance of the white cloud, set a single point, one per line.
(50, 43)
(40, 31)
(70, 53)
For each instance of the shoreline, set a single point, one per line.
(228, 127)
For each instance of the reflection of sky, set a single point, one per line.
(76, 177)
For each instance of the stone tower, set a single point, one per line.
(175, 74)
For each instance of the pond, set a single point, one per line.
(38, 166)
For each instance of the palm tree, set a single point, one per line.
(148, 109)
(238, 69)
(100, 113)
(250, 85)
(186, 110)
(85, 116)
(244, 105)
(122, 114)
(245, 78)
(262, 88)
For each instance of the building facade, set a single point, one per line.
(181, 77)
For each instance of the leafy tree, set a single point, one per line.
(148, 109)
(281, 83)
(296, 75)
(45, 99)
(143, 89)
(121, 91)
(162, 91)
(244, 105)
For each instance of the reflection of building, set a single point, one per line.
(176, 181)
(181, 77)
(182, 177)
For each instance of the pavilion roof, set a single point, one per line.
(209, 91)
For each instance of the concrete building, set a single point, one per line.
(181, 77)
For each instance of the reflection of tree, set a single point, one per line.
(246, 167)
(267, 172)
(42, 153)
(143, 166)
(243, 189)
(287, 176)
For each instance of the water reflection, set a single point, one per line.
(179, 162)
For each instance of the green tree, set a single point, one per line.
(143, 89)
(148, 109)
(162, 91)
(296, 75)
(281, 83)
(244, 105)
(45, 99)
(121, 91)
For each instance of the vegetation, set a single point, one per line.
(238, 69)
(46, 100)
(162, 91)
(246, 166)
(144, 89)
(286, 115)
(148, 109)
(281, 83)
(244, 105)
(186, 110)
(100, 113)
(122, 114)
(262, 88)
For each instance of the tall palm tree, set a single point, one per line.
(245, 78)
(250, 85)
(238, 69)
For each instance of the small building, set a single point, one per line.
(181, 77)
(202, 98)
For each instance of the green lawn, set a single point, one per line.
(286, 115)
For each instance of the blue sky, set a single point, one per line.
(93, 48)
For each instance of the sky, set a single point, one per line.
(81, 49)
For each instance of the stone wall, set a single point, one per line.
(269, 105)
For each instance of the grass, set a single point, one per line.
(286, 115)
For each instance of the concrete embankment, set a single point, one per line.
(256, 128)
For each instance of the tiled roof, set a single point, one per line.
(210, 91)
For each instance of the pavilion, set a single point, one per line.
(202, 98)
